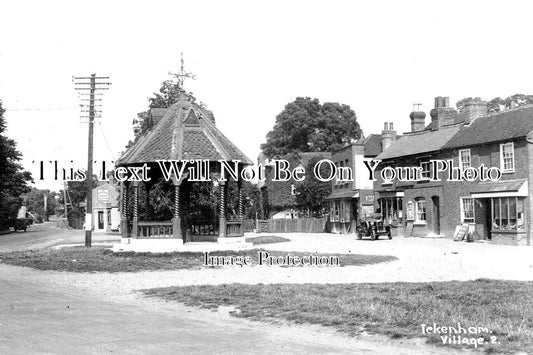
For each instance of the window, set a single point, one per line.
(465, 160)
(420, 210)
(467, 210)
(335, 211)
(507, 157)
(508, 213)
(425, 174)
(345, 211)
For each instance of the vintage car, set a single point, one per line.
(373, 227)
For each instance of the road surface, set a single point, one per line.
(41, 316)
(47, 234)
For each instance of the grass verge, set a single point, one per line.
(503, 308)
(81, 259)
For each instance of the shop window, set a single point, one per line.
(508, 213)
(465, 160)
(467, 210)
(420, 210)
(507, 157)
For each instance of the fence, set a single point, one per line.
(298, 225)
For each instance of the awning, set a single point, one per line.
(389, 194)
(502, 188)
(343, 194)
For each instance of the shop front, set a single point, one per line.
(499, 211)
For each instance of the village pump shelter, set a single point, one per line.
(182, 132)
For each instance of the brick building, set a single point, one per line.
(352, 200)
(500, 211)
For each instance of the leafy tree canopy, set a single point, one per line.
(35, 201)
(77, 190)
(305, 125)
(312, 193)
(168, 95)
(13, 178)
(498, 104)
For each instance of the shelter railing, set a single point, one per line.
(234, 228)
(203, 227)
(151, 229)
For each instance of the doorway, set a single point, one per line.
(436, 215)
(100, 220)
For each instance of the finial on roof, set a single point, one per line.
(182, 75)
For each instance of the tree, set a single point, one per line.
(13, 178)
(497, 104)
(77, 190)
(305, 125)
(35, 202)
(168, 95)
(312, 193)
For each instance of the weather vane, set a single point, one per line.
(182, 75)
(416, 107)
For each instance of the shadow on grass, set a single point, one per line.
(98, 259)
(270, 239)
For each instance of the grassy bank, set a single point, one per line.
(81, 259)
(504, 308)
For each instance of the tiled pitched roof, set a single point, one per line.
(171, 138)
(156, 114)
(305, 157)
(505, 125)
(420, 142)
(372, 145)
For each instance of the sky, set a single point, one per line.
(250, 59)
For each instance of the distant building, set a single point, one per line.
(353, 200)
(106, 216)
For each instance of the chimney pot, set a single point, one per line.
(474, 109)
(418, 121)
(388, 136)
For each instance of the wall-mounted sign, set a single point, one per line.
(103, 196)
(369, 199)
(410, 211)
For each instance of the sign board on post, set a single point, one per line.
(410, 211)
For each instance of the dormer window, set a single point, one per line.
(192, 120)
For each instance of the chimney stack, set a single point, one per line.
(475, 109)
(442, 114)
(418, 121)
(388, 136)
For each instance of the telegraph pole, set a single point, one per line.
(65, 200)
(92, 86)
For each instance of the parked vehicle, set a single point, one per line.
(22, 224)
(373, 227)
